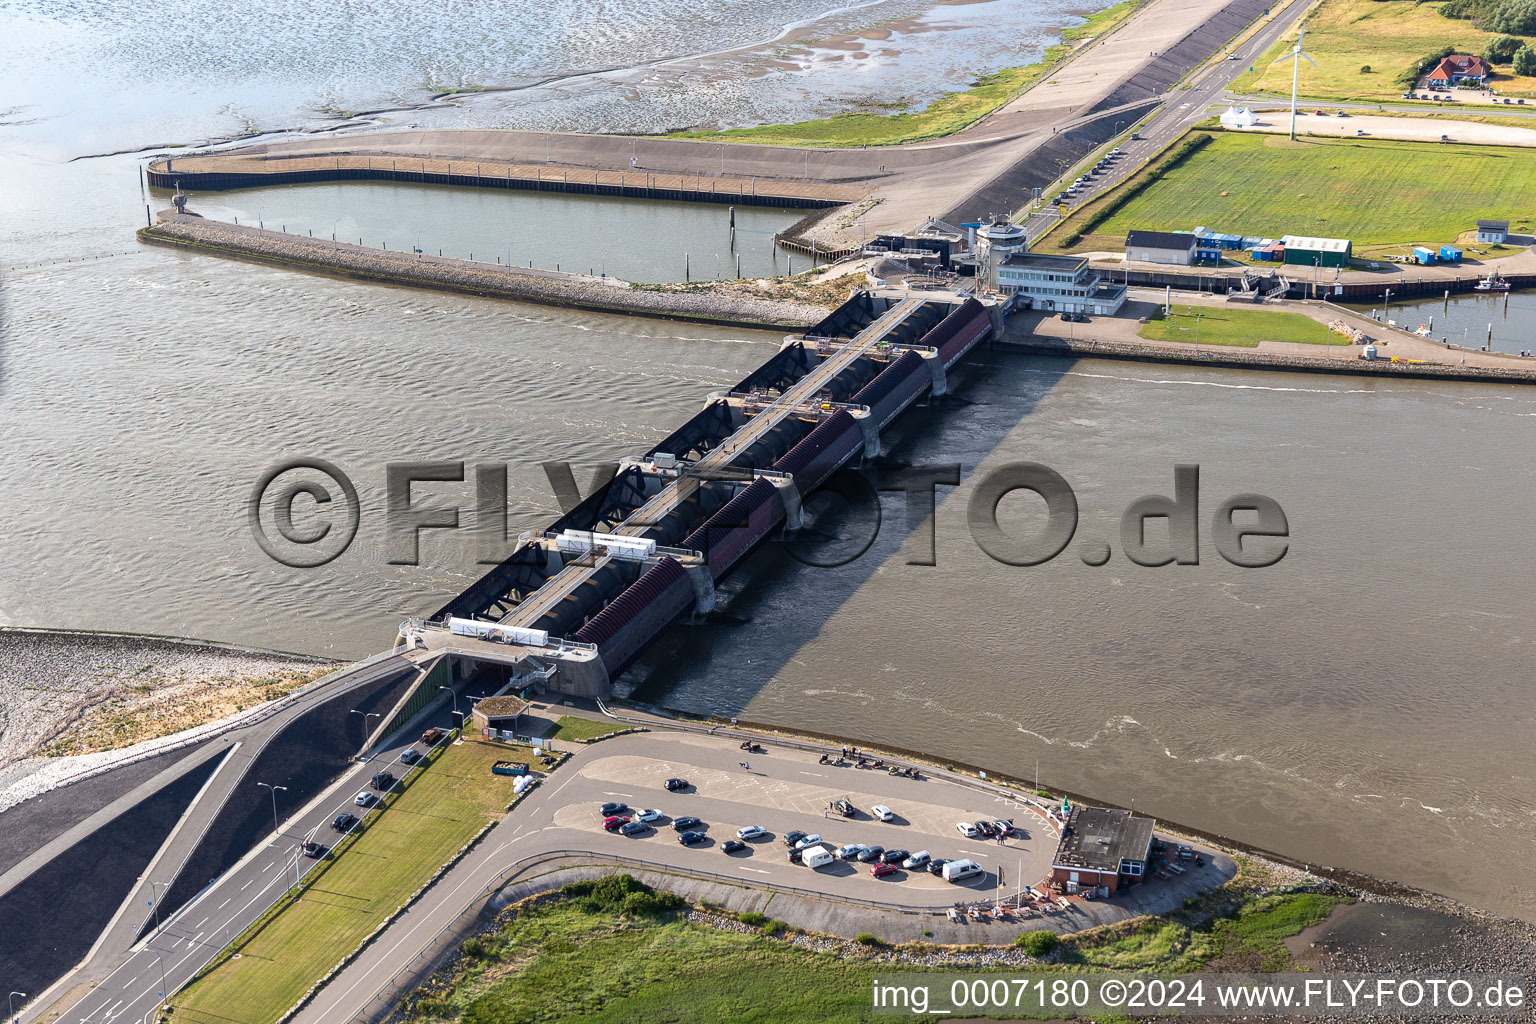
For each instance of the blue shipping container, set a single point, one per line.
(1423, 255)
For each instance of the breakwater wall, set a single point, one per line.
(417, 270)
(1244, 359)
(233, 171)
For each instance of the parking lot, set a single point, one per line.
(787, 790)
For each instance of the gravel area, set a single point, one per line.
(735, 305)
(109, 697)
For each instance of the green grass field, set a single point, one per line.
(569, 727)
(1237, 327)
(568, 961)
(1373, 192)
(944, 116)
(1388, 36)
(444, 806)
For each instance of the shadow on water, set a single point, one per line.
(774, 605)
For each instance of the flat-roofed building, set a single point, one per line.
(1302, 251)
(1059, 284)
(1176, 247)
(1102, 847)
(499, 718)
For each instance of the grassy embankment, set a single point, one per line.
(587, 958)
(1384, 196)
(946, 115)
(1388, 36)
(448, 801)
(576, 729)
(1236, 327)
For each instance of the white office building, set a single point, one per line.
(1059, 284)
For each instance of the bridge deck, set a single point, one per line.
(678, 491)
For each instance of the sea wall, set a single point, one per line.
(1246, 359)
(547, 287)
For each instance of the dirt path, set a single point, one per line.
(1408, 129)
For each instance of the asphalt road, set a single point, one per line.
(1181, 109)
(195, 933)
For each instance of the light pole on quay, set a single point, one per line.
(274, 790)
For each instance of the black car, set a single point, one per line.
(936, 866)
(673, 785)
(796, 856)
(315, 850)
(383, 780)
(793, 836)
(871, 853)
(732, 846)
(609, 810)
(343, 822)
(685, 824)
(633, 828)
(895, 856)
(410, 755)
(689, 838)
(987, 829)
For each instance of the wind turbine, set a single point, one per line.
(1296, 55)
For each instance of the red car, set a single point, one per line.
(882, 869)
(614, 822)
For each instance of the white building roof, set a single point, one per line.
(1315, 244)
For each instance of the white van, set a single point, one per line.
(818, 857)
(960, 870)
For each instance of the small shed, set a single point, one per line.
(1208, 253)
(1450, 254)
(1304, 251)
(1423, 255)
(1492, 232)
(499, 718)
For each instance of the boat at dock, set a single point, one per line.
(1492, 283)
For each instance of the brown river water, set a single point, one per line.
(1364, 703)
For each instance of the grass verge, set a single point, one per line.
(613, 953)
(1387, 36)
(946, 115)
(397, 851)
(581, 730)
(1371, 191)
(1237, 327)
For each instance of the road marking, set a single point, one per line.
(758, 870)
(619, 794)
(201, 923)
(248, 881)
(221, 906)
(819, 775)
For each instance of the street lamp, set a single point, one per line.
(154, 900)
(1197, 329)
(455, 695)
(274, 790)
(23, 995)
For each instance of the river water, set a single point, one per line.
(1362, 703)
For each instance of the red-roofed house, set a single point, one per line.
(1461, 69)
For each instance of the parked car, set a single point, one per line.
(967, 829)
(918, 861)
(410, 755)
(882, 869)
(807, 841)
(960, 870)
(871, 853)
(315, 850)
(792, 837)
(936, 866)
(687, 823)
(614, 822)
(610, 809)
(365, 799)
(750, 832)
(673, 785)
(431, 736)
(343, 822)
(1004, 826)
(690, 838)
(382, 780)
(796, 856)
(850, 851)
(987, 829)
(895, 856)
(882, 812)
(648, 814)
(633, 828)
(732, 846)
